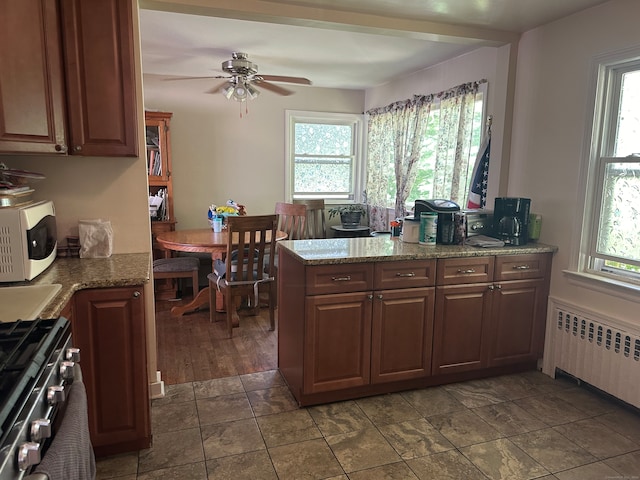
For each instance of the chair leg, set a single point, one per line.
(194, 282)
(212, 302)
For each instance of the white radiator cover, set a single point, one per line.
(599, 350)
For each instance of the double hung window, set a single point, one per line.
(324, 155)
(611, 237)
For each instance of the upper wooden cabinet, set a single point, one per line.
(67, 82)
(32, 99)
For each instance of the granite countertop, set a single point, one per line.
(335, 251)
(120, 270)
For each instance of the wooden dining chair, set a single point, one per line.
(316, 220)
(292, 219)
(245, 273)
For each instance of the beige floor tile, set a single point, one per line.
(627, 465)
(552, 450)
(475, 393)
(502, 460)
(588, 402)
(117, 466)
(449, 465)
(246, 466)
(432, 401)
(362, 449)
(175, 394)
(217, 387)
(593, 471)
(341, 417)
(623, 421)
(386, 409)
(170, 417)
(550, 409)
(271, 400)
(392, 471)
(171, 450)
(231, 438)
(288, 427)
(223, 409)
(464, 428)
(415, 438)
(508, 418)
(193, 471)
(512, 387)
(305, 460)
(597, 439)
(261, 380)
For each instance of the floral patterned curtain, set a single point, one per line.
(396, 133)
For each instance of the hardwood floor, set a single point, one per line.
(191, 348)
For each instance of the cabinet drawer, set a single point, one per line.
(405, 274)
(520, 267)
(343, 278)
(453, 271)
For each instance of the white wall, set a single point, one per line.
(218, 155)
(551, 121)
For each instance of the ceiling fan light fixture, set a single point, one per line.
(240, 92)
(228, 89)
(252, 91)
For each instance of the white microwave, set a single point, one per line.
(28, 240)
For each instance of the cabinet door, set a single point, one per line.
(337, 341)
(402, 333)
(461, 328)
(31, 82)
(99, 67)
(518, 321)
(109, 328)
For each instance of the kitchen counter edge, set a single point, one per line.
(336, 251)
(118, 270)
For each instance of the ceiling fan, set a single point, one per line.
(243, 77)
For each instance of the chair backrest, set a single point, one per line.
(316, 220)
(250, 237)
(292, 220)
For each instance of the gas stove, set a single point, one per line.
(37, 363)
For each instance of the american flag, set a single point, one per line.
(478, 188)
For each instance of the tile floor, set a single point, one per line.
(513, 427)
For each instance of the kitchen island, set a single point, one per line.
(364, 316)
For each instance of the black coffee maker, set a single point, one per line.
(511, 219)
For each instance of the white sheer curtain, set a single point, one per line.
(396, 135)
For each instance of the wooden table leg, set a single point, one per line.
(203, 295)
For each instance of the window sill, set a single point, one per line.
(605, 284)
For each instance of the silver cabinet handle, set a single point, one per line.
(491, 287)
(521, 267)
(379, 296)
(370, 297)
(61, 148)
(341, 279)
(136, 294)
(411, 274)
(469, 270)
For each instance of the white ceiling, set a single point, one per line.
(352, 44)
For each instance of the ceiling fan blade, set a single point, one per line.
(274, 88)
(278, 78)
(195, 78)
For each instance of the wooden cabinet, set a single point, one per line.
(158, 152)
(366, 324)
(67, 81)
(32, 97)
(490, 311)
(108, 326)
(349, 330)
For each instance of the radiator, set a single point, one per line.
(602, 352)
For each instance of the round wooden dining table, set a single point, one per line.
(207, 241)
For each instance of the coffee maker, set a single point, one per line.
(511, 219)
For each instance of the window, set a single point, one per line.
(610, 243)
(323, 155)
